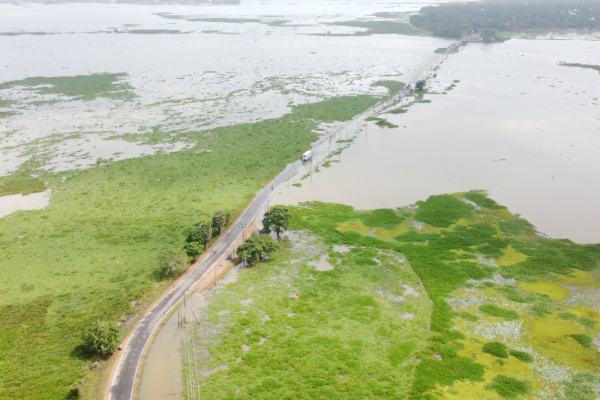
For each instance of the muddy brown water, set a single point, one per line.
(517, 124)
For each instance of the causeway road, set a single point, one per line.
(124, 380)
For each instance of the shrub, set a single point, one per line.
(496, 349)
(193, 249)
(172, 262)
(101, 338)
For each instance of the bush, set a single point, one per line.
(172, 262)
(101, 338)
(193, 249)
(496, 349)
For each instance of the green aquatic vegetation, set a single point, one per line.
(583, 386)
(521, 356)
(443, 210)
(482, 200)
(496, 349)
(389, 15)
(95, 248)
(155, 31)
(588, 66)
(513, 293)
(467, 316)
(379, 28)
(6, 114)
(495, 311)
(383, 218)
(79, 87)
(583, 339)
(507, 387)
(386, 123)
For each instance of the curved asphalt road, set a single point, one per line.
(124, 380)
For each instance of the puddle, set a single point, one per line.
(206, 372)
(321, 264)
(411, 291)
(341, 248)
(246, 302)
(17, 202)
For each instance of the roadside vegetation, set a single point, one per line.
(506, 308)
(93, 253)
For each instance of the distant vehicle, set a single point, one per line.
(306, 156)
(229, 257)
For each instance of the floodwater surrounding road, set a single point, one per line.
(517, 124)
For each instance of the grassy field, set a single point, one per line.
(514, 314)
(93, 251)
(350, 332)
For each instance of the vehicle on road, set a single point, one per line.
(306, 156)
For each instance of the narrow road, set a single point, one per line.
(127, 369)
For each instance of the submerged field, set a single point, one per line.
(92, 253)
(454, 297)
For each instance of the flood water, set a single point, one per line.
(517, 124)
(203, 75)
(17, 202)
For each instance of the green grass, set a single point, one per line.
(80, 87)
(508, 388)
(522, 356)
(440, 50)
(345, 339)
(495, 311)
(496, 349)
(94, 249)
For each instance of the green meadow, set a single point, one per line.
(509, 313)
(92, 253)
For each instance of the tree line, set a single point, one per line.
(487, 18)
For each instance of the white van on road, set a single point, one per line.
(306, 156)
